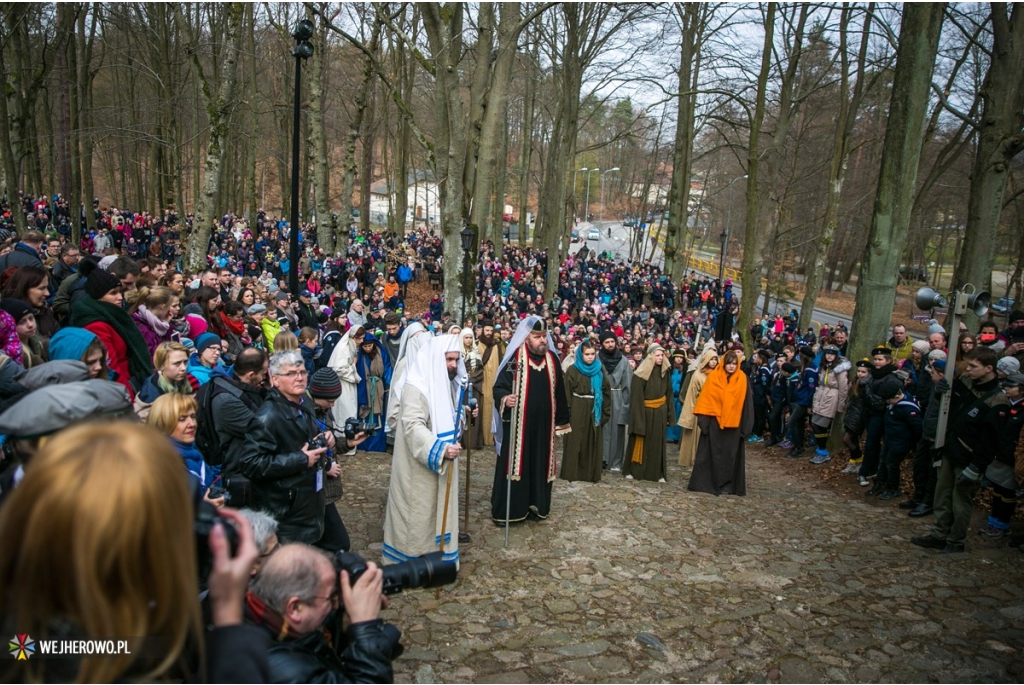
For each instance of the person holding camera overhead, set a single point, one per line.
(284, 457)
(424, 492)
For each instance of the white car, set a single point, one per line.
(593, 234)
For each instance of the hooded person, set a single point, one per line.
(373, 364)
(473, 438)
(690, 391)
(422, 513)
(529, 393)
(620, 378)
(412, 338)
(343, 362)
(492, 351)
(589, 394)
(101, 313)
(650, 401)
(725, 416)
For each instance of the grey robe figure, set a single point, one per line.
(620, 377)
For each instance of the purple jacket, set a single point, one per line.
(149, 332)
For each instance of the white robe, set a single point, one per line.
(419, 476)
(343, 363)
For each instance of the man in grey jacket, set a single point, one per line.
(616, 366)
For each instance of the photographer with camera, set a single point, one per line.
(294, 599)
(284, 456)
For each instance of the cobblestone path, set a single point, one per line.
(645, 582)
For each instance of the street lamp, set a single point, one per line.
(600, 217)
(303, 50)
(586, 206)
(725, 238)
(574, 179)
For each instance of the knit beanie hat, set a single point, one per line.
(889, 387)
(1008, 365)
(325, 384)
(921, 347)
(206, 341)
(18, 309)
(937, 355)
(196, 326)
(99, 283)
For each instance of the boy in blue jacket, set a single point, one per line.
(903, 422)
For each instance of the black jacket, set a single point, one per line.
(366, 657)
(903, 425)
(873, 404)
(282, 483)
(978, 413)
(309, 317)
(853, 420)
(234, 405)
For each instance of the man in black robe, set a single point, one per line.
(530, 396)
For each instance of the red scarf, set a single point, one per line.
(236, 327)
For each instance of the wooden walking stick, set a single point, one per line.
(444, 518)
(471, 404)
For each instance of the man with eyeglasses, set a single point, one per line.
(282, 459)
(295, 598)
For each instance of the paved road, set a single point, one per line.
(802, 580)
(618, 244)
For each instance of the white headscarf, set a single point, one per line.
(408, 334)
(428, 373)
(401, 376)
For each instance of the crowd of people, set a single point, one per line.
(251, 396)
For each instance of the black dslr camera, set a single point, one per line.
(426, 571)
(354, 427)
(206, 517)
(318, 443)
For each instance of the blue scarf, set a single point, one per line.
(595, 373)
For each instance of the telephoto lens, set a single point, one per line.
(430, 570)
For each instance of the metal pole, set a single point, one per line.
(465, 285)
(725, 246)
(293, 238)
(586, 206)
(952, 341)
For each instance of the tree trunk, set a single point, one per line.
(317, 139)
(526, 155)
(493, 131)
(693, 17)
(218, 106)
(876, 287)
(751, 253)
(444, 30)
(1000, 138)
(349, 166)
(845, 122)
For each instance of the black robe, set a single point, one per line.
(720, 467)
(531, 494)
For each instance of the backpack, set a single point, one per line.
(207, 440)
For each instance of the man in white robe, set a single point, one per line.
(424, 474)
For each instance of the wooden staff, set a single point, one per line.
(444, 518)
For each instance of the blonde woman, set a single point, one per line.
(112, 498)
(704, 364)
(473, 437)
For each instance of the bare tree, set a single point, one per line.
(219, 98)
(876, 287)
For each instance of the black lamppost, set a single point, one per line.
(303, 50)
(724, 237)
(466, 235)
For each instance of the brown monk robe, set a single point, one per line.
(650, 414)
(581, 455)
(491, 349)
